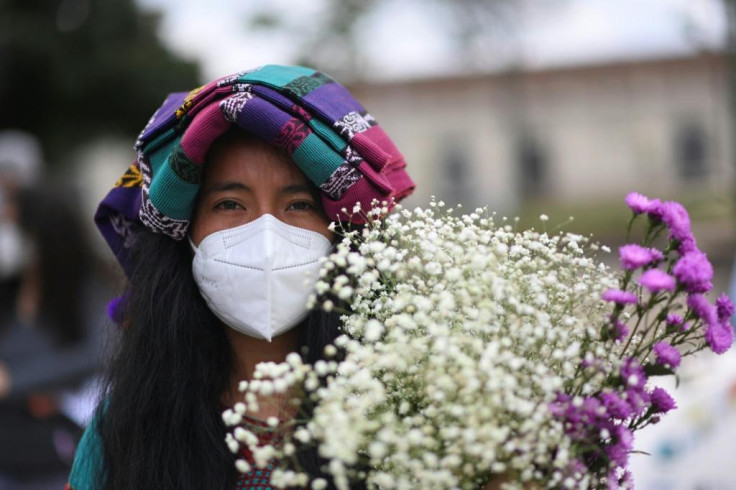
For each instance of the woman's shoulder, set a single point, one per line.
(87, 467)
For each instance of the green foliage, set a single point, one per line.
(73, 69)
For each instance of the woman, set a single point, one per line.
(216, 225)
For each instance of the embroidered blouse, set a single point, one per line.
(258, 479)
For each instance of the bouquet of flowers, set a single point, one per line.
(476, 353)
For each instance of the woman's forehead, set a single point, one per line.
(248, 160)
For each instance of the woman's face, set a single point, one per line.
(246, 178)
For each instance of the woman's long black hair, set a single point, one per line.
(160, 423)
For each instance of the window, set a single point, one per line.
(532, 163)
(456, 173)
(690, 151)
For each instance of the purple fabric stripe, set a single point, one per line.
(165, 115)
(273, 96)
(262, 118)
(331, 101)
(121, 204)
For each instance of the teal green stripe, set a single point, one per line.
(158, 158)
(277, 76)
(328, 134)
(316, 159)
(155, 144)
(171, 195)
(88, 462)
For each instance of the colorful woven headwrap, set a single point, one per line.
(329, 135)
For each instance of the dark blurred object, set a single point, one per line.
(58, 266)
(50, 332)
(71, 70)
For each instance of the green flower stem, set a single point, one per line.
(660, 318)
(628, 228)
(640, 315)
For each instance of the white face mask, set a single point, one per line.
(257, 277)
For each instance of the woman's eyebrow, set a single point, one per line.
(297, 189)
(226, 186)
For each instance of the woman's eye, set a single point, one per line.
(301, 206)
(228, 205)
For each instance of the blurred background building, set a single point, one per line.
(525, 106)
(573, 135)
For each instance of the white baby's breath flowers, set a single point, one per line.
(459, 335)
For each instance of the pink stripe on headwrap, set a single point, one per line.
(376, 147)
(206, 127)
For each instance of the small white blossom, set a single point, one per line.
(232, 444)
(242, 466)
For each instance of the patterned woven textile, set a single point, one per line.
(258, 479)
(328, 134)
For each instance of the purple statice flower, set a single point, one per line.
(620, 330)
(655, 210)
(562, 398)
(633, 373)
(673, 319)
(638, 399)
(687, 244)
(580, 415)
(612, 480)
(694, 272)
(662, 402)
(559, 405)
(656, 280)
(593, 409)
(638, 203)
(626, 482)
(619, 480)
(575, 469)
(618, 452)
(574, 415)
(719, 336)
(593, 362)
(620, 297)
(616, 406)
(633, 256)
(702, 308)
(666, 354)
(677, 220)
(724, 307)
(576, 421)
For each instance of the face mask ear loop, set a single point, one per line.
(192, 245)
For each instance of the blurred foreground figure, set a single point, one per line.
(46, 351)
